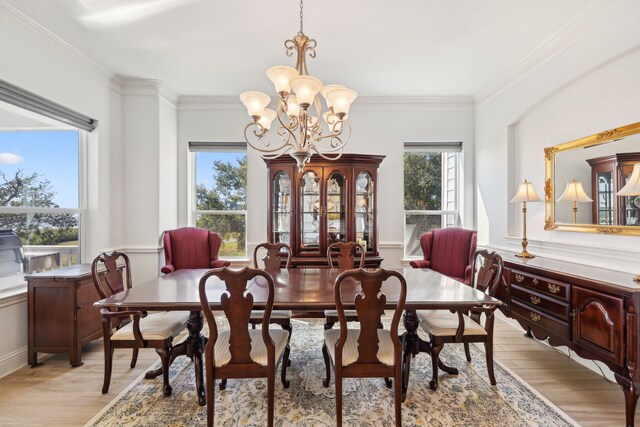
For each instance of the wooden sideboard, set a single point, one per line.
(62, 317)
(591, 310)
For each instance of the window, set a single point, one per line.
(430, 190)
(39, 199)
(220, 194)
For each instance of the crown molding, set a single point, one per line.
(51, 41)
(127, 86)
(578, 28)
(422, 103)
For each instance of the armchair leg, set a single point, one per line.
(435, 358)
(165, 356)
(397, 395)
(134, 357)
(338, 400)
(285, 363)
(210, 396)
(108, 363)
(327, 366)
(488, 348)
(467, 352)
(271, 380)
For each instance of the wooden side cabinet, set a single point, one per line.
(591, 310)
(61, 314)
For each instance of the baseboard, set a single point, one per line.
(13, 361)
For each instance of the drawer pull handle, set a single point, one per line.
(519, 278)
(535, 316)
(535, 300)
(554, 289)
(535, 281)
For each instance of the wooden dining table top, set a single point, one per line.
(305, 289)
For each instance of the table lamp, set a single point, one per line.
(574, 193)
(525, 194)
(632, 188)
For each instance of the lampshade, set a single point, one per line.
(306, 88)
(574, 193)
(526, 193)
(341, 99)
(266, 118)
(632, 187)
(293, 108)
(328, 88)
(255, 102)
(280, 76)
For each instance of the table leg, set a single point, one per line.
(193, 348)
(412, 345)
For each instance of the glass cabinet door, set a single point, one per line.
(605, 198)
(631, 203)
(336, 208)
(310, 212)
(364, 211)
(281, 208)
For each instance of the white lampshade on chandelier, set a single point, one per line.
(302, 128)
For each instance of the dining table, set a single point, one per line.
(304, 290)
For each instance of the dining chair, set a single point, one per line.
(446, 327)
(448, 251)
(190, 247)
(274, 256)
(241, 352)
(130, 328)
(344, 256)
(368, 351)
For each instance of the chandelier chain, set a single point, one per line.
(301, 32)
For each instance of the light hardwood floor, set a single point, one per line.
(56, 395)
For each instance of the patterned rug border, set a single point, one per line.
(501, 365)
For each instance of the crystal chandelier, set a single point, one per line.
(302, 127)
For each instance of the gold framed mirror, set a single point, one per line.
(582, 178)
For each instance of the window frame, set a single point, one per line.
(445, 149)
(203, 147)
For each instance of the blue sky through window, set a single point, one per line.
(204, 164)
(53, 154)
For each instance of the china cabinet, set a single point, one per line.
(329, 201)
(608, 175)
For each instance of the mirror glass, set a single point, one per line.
(583, 177)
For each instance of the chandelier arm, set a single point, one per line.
(293, 124)
(330, 157)
(260, 136)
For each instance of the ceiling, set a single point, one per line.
(377, 47)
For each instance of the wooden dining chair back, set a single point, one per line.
(445, 327)
(240, 352)
(344, 255)
(368, 351)
(272, 255)
(130, 328)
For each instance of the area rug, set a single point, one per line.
(466, 399)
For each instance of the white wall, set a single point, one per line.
(593, 85)
(380, 126)
(34, 61)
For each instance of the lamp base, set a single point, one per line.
(636, 278)
(525, 254)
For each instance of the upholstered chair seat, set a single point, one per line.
(258, 353)
(350, 350)
(157, 326)
(445, 323)
(256, 315)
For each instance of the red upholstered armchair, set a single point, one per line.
(191, 247)
(448, 251)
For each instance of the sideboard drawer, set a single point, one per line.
(539, 301)
(540, 284)
(541, 319)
